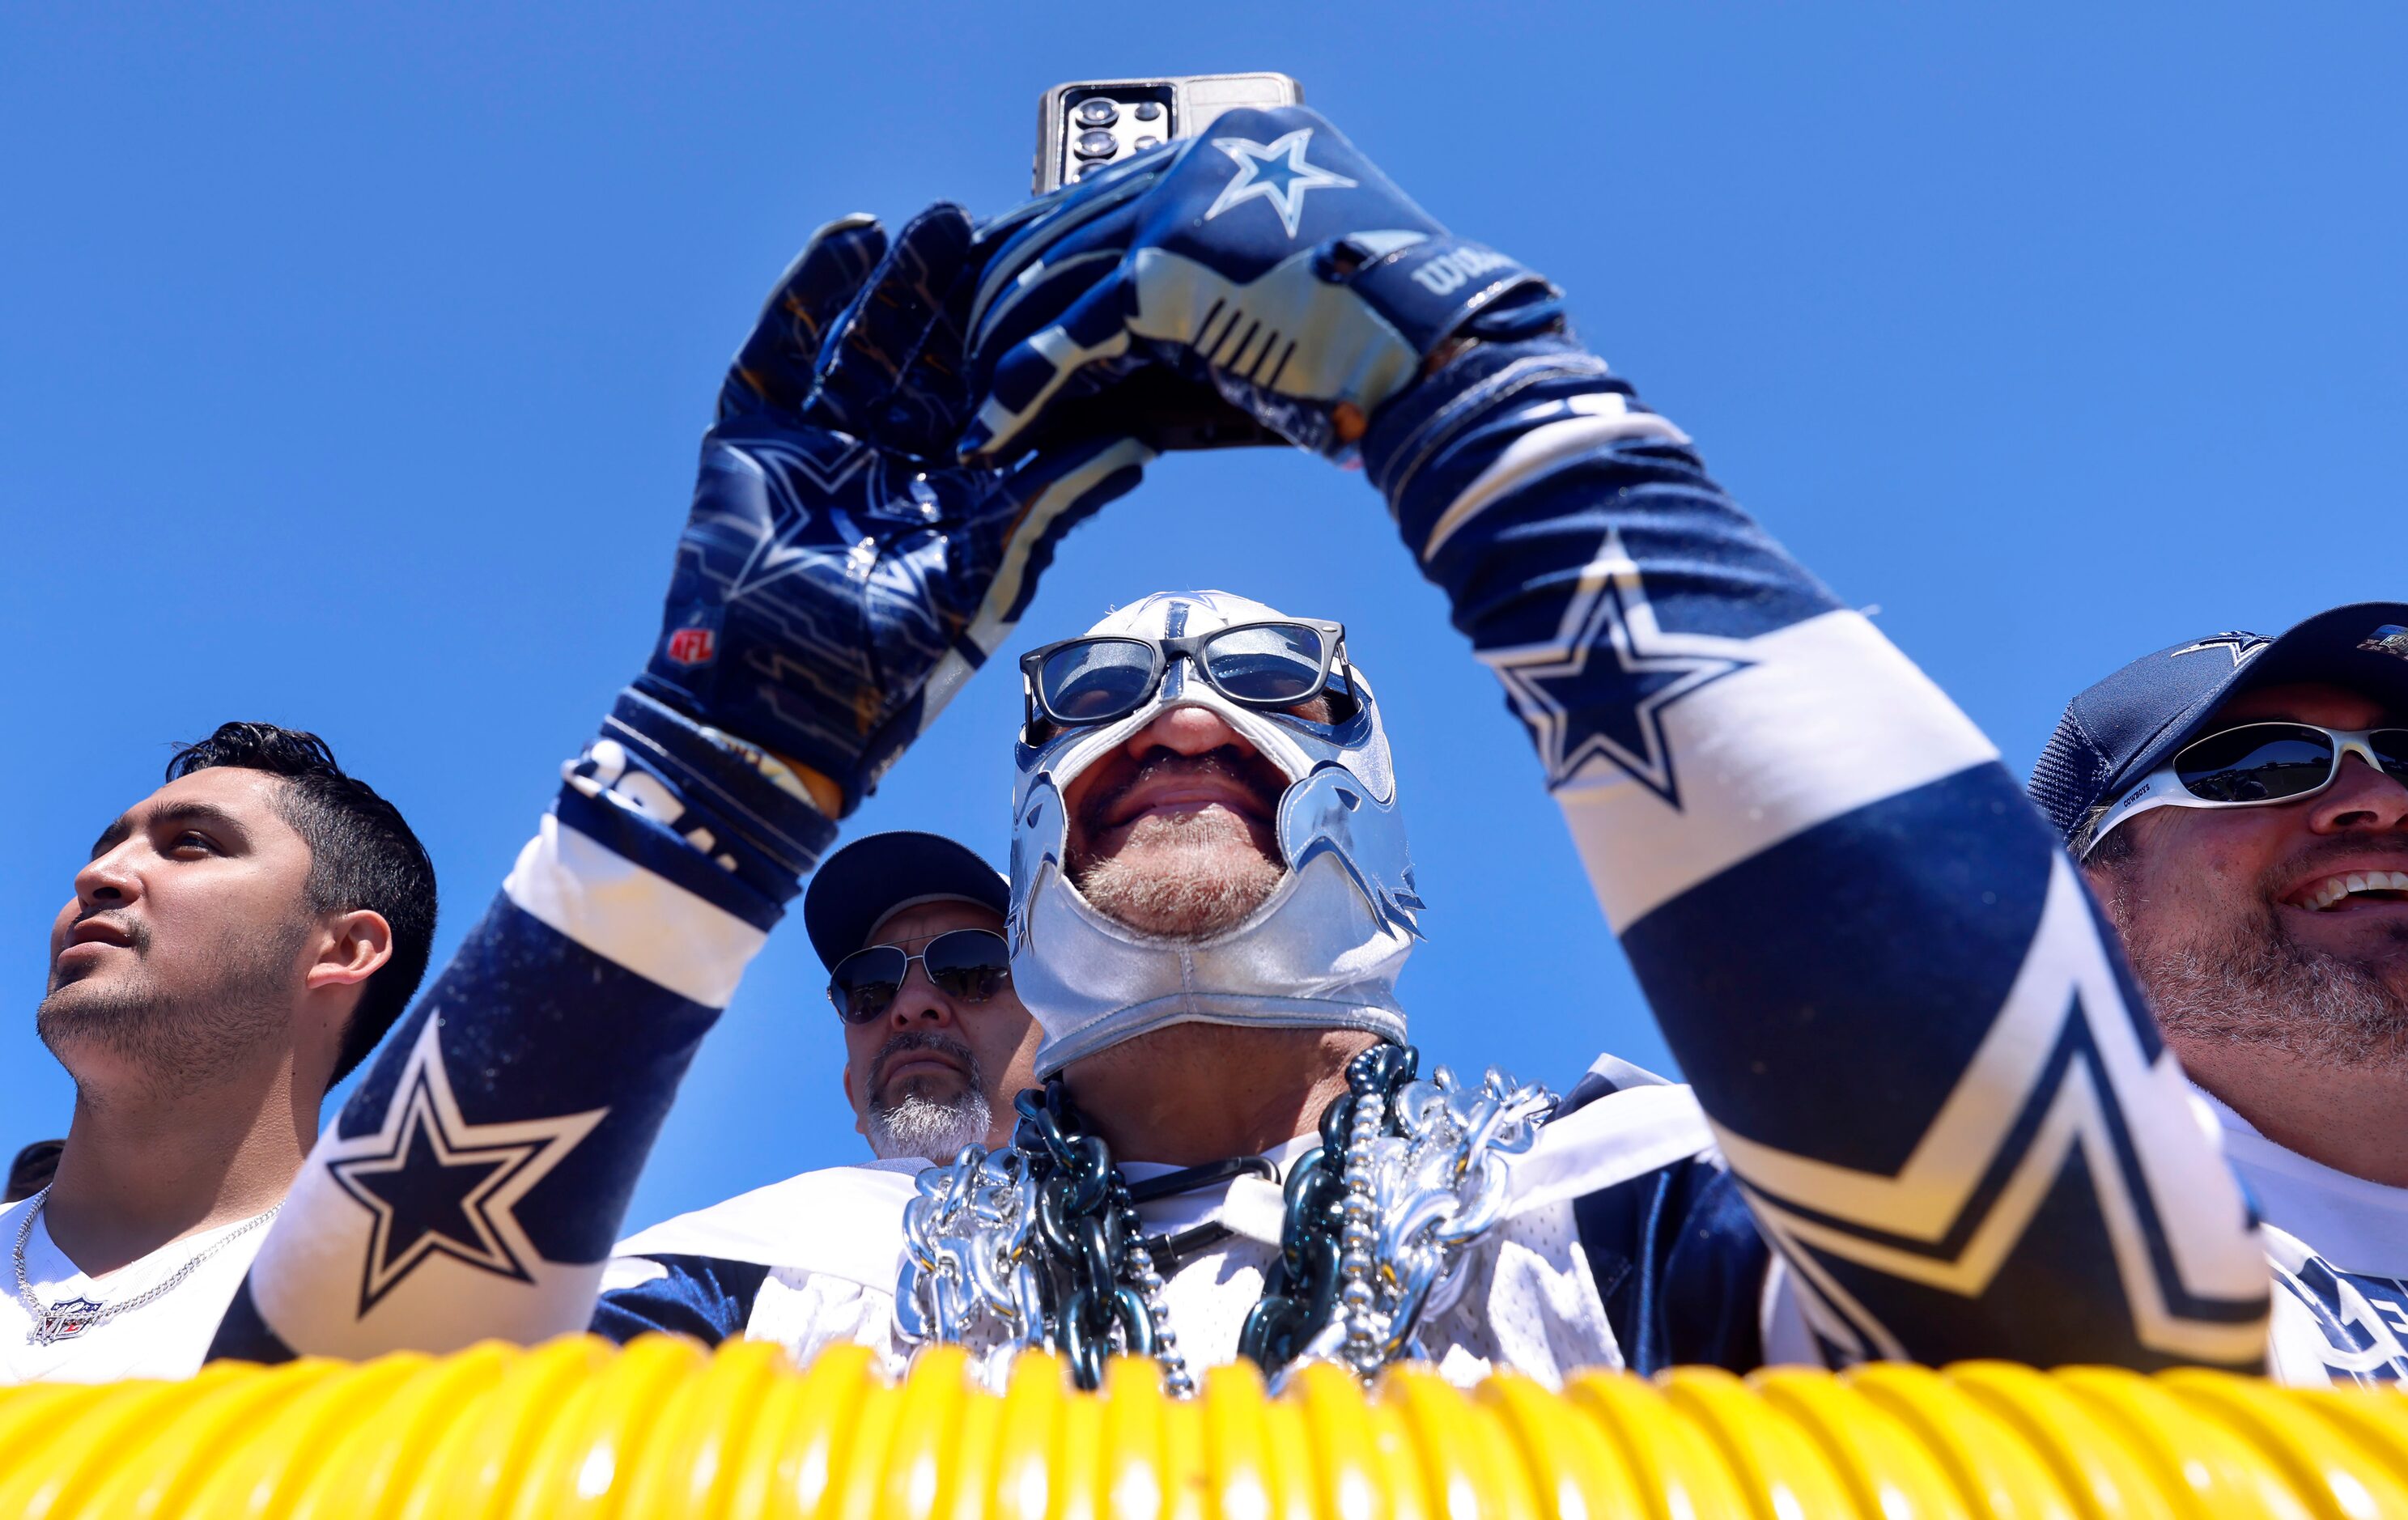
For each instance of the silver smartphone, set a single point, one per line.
(1087, 124)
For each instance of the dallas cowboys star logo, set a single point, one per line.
(2239, 645)
(1600, 691)
(801, 483)
(1275, 172)
(439, 1185)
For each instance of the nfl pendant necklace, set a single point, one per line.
(70, 1317)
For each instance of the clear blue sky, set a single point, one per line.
(352, 357)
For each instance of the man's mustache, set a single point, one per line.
(1224, 761)
(913, 1039)
(2354, 847)
(137, 933)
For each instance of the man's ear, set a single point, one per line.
(860, 1119)
(356, 946)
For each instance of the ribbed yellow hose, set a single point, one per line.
(659, 1429)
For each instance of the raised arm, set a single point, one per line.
(833, 587)
(1917, 1046)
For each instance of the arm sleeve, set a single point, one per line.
(1934, 1082)
(474, 1184)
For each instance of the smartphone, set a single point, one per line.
(1089, 123)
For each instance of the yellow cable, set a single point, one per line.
(1995, 1470)
(56, 1466)
(1676, 1466)
(2187, 1452)
(1576, 1472)
(1782, 1473)
(2108, 1481)
(157, 1468)
(577, 1428)
(1889, 1470)
(2331, 1471)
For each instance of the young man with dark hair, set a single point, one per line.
(237, 944)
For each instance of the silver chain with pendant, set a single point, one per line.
(1424, 1176)
(64, 1321)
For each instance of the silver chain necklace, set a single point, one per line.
(71, 1317)
(1377, 1243)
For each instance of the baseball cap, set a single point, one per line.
(859, 886)
(2126, 726)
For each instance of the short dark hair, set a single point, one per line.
(361, 855)
(32, 1169)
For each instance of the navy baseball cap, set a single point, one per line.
(2126, 726)
(869, 880)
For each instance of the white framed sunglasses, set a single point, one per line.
(2257, 765)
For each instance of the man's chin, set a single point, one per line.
(2373, 938)
(942, 1091)
(1187, 879)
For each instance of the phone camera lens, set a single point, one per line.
(1148, 111)
(1144, 143)
(1096, 112)
(1095, 145)
(1094, 166)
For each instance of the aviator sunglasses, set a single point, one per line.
(2256, 764)
(1255, 665)
(968, 966)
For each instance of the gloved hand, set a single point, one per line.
(1266, 258)
(839, 574)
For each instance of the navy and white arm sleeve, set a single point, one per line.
(476, 1181)
(1917, 1045)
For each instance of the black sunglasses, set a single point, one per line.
(1256, 665)
(968, 966)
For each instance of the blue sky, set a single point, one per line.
(352, 358)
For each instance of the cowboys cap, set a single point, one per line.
(2126, 726)
(870, 880)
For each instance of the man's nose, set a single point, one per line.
(2362, 798)
(1186, 730)
(108, 879)
(919, 1005)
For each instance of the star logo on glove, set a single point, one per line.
(1275, 172)
(439, 1185)
(796, 496)
(1598, 691)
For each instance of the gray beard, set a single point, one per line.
(1203, 874)
(935, 1131)
(2251, 984)
(187, 1037)
(921, 1126)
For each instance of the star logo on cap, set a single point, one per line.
(1276, 172)
(439, 1185)
(2239, 645)
(1598, 693)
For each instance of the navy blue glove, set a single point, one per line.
(1267, 259)
(839, 574)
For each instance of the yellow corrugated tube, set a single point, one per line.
(661, 1428)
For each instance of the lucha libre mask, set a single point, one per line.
(1321, 953)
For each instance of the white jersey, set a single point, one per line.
(813, 1261)
(167, 1337)
(2339, 1247)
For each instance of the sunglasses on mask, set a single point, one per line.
(1255, 665)
(968, 966)
(2256, 764)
